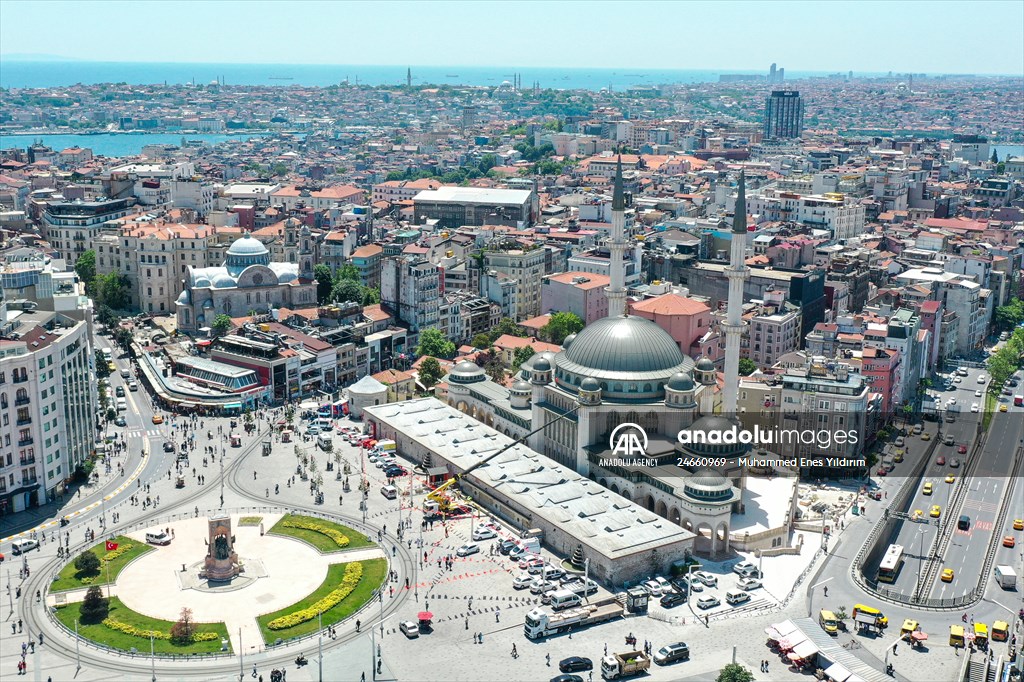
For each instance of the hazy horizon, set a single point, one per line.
(799, 36)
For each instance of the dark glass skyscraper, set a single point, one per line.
(783, 115)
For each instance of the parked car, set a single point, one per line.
(483, 533)
(706, 578)
(747, 584)
(672, 599)
(540, 586)
(409, 629)
(575, 664)
(120, 421)
(522, 581)
(506, 546)
(652, 588)
(708, 602)
(670, 653)
(466, 550)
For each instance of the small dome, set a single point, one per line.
(568, 340)
(223, 281)
(521, 387)
(185, 298)
(590, 384)
(201, 282)
(705, 365)
(467, 372)
(680, 381)
(542, 365)
(286, 277)
(708, 479)
(208, 304)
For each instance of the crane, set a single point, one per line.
(439, 503)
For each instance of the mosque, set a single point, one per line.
(626, 370)
(248, 281)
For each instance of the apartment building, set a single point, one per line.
(959, 296)
(526, 268)
(843, 217)
(395, 191)
(774, 330)
(71, 226)
(48, 403)
(366, 260)
(454, 207)
(575, 292)
(410, 286)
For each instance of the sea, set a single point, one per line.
(51, 74)
(115, 144)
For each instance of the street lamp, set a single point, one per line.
(920, 561)
(373, 647)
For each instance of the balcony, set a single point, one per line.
(28, 481)
(27, 460)
(24, 421)
(21, 378)
(22, 401)
(26, 441)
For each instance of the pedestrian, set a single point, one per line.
(766, 666)
(254, 672)
(826, 590)
(515, 654)
(895, 644)
(606, 648)
(547, 658)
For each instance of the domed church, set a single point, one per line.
(247, 281)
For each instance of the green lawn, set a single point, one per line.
(318, 540)
(100, 633)
(250, 520)
(374, 571)
(71, 579)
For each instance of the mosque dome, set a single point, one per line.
(521, 386)
(201, 282)
(708, 485)
(542, 365)
(208, 304)
(705, 365)
(710, 446)
(568, 340)
(590, 384)
(467, 372)
(680, 381)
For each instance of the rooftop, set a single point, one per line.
(476, 195)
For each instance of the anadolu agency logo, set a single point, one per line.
(628, 440)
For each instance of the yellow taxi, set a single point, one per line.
(927, 489)
(1008, 541)
(1018, 524)
(926, 436)
(1002, 408)
(157, 419)
(950, 478)
(917, 515)
(947, 575)
(935, 512)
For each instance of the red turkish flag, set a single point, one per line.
(111, 546)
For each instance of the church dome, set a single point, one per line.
(590, 384)
(247, 246)
(286, 277)
(185, 297)
(223, 281)
(467, 372)
(680, 381)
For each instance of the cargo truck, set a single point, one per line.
(541, 623)
(1005, 577)
(626, 664)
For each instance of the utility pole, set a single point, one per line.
(320, 643)
(152, 655)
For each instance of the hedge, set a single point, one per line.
(339, 538)
(353, 572)
(156, 634)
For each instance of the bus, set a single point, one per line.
(891, 564)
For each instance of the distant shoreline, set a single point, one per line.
(182, 133)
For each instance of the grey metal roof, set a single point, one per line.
(626, 348)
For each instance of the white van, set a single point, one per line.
(564, 599)
(389, 491)
(122, 404)
(736, 597)
(126, 373)
(23, 546)
(158, 538)
(324, 442)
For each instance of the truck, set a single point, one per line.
(541, 623)
(1005, 577)
(626, 664)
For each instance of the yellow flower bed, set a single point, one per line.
(339, 538)
(353, 573)
(156, 634)
(110, 556)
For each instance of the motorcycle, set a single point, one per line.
(300, 660)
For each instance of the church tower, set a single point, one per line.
(616, 290)
(737, 274)
(305, 253)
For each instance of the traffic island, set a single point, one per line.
(325, 536)
(105, 570)
(346, 589)
(127, 630)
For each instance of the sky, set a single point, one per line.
(922, 36)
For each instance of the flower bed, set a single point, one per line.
(304, 523)
(353, 572)
(121, 550)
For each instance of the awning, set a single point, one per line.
(185, 403)
(772, 633)
(786, 627)
(805, 649)
(837, 672)
(424, 615)
(792, 640)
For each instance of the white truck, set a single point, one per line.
(624, 665)
(541, 623)
(1005, 577)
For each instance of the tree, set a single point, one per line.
(105, 315)
(734, 672)
(995, 156)
(346, 290)
(747, 366)
(184, 630)
(481, 341)
(1010, 315)
(87, 563)
(123, 337)
(430, 372)
(371, 296)
(324, 282)
(102, 368)
(521, 355)
(347, 271)
(435, 343)
(506, 326)
(560, 325)
(111, 290)
(221, 325)
(496, 372)
(95, 606)
(85, 268)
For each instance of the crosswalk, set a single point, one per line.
(981, 506)
(137, 431)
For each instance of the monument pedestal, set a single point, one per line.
(221, 563)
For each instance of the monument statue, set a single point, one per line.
(221, 564)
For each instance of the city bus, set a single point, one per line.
(891, 564)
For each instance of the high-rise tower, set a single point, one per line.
(737, 273)
(783, 115)
(616, 291)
